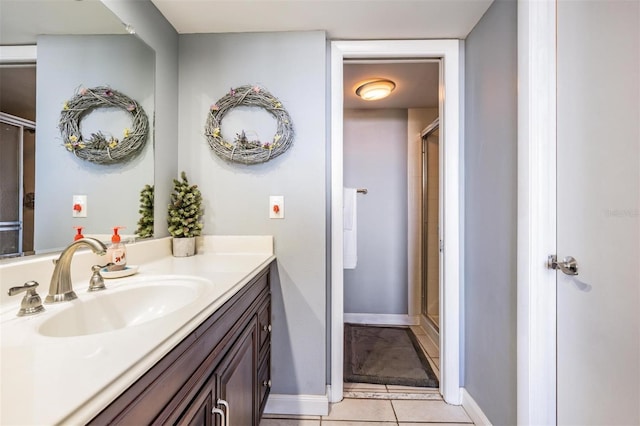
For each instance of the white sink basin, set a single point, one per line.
(133, 303)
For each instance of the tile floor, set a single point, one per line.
(385, 405)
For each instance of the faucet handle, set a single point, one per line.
(96, 282)
(31, 302)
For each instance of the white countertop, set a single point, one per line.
(54, 380)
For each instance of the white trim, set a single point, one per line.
(473, 409)
(301, 405)
(337, 271)
(536, 307)
(18, 54)
(382, 319)
(451, 53)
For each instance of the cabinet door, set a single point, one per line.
(237, 377)
(199, 411)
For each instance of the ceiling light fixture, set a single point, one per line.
(372, 90)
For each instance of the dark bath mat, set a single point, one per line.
(385, 355)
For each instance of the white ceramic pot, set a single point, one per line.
(183, 247)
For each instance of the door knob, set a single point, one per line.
(569, 265)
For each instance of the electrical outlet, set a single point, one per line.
(276, 207)
(79, 206)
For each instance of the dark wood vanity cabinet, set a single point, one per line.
(233, 381)
(226, 358)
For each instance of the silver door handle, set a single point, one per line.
(569, 265)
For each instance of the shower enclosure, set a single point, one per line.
(430, 224)
(15, 133)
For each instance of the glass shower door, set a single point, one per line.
(430, 227)
(10, 190)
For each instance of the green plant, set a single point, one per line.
(145, 223)
(185, 209)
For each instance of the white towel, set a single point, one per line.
(350, 222)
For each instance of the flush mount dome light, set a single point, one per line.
(372, 90)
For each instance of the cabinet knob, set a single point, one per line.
(267, 383)
(267, 328)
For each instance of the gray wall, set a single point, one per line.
(156, 31)
(490, 213)
(66, 63)
(375, 157)
(291, 65)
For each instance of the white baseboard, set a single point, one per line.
(382, 319)
(473, 409)
(302, 405)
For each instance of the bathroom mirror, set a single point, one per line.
(79, 44)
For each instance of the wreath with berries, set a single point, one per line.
(100, 148)
(242, 149)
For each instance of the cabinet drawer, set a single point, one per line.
(264, 380)
(264, 321)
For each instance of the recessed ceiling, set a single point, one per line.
(416, 84)
(341, 19)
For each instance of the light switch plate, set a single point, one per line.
(276, 207)
(79, 200)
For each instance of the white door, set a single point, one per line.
(598, 192)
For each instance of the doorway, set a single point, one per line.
(382, 151)
(449, 52)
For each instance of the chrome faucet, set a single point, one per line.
(61, 289)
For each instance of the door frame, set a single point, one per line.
(451, 53)
(536, 294)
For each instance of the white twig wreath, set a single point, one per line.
(243, 150)
(99, 148)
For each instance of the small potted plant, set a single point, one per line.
(145, 223)
(185, 216)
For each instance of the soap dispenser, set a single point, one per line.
(79, 233)
(116, 252)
